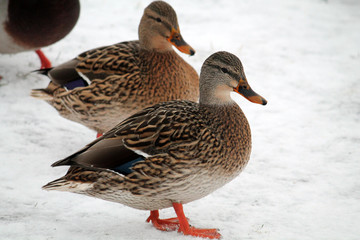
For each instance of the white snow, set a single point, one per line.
(302, 181)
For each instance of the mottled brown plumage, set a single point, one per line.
(125, 77)
(171, 153)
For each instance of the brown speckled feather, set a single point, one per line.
(117, 59)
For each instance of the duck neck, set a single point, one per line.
(154, 63)
(215, 94)
(155, 44)
(229, 113)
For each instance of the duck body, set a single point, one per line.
(31, 25)
(182, 164)
(123, 80)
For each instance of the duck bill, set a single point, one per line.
(250, 95)
(177, 40)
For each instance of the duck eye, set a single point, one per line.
(158, 19)
(224, 70)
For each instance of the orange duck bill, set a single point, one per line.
(245, 90)
(177, 40)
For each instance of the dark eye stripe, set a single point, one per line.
(234, 75)
(163, 22)
(224, 70)
(231, 73)
(155, 18)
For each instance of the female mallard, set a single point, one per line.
(30, 25)
(125, 77)
(171, 153)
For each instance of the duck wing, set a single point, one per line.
(168, 129)
(119, 59)
(98, 63)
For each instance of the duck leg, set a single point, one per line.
(45, 62)
(170, 224)
(180, 223)
(186, 229)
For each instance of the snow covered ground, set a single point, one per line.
(303, 179)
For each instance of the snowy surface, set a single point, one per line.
(303, 179)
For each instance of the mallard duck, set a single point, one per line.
(126, 77)
(31, 25)
(171, 153)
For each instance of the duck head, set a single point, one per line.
(221, 74)
(159, 29)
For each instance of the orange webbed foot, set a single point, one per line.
(199, 232)
(169, 224)
(186, 229)
(181, 224)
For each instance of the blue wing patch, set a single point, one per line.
(77, 83)
(126, 167)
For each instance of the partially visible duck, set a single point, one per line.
(105, 85)
(31, 25)
(171, 153)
